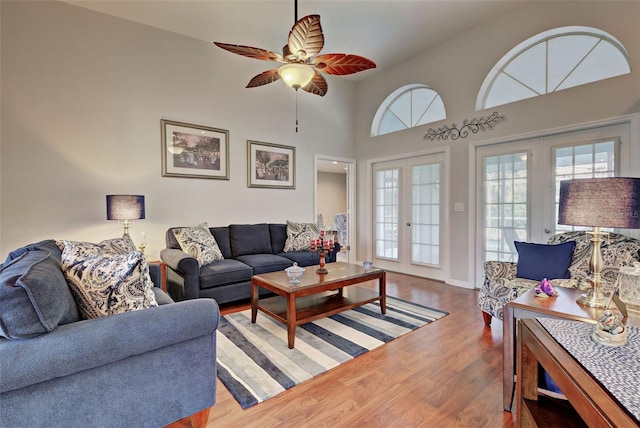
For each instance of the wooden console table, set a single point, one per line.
(590, 403)
(529, 306)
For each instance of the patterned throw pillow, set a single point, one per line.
(106, 278)
(299, 236)
(199, 243)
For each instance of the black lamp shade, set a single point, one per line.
(125, 207)
(600, 202)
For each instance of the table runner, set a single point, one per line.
(616, 368)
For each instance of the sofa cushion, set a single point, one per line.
(303, 258)
(300, 235)
(250, 239)
(221, 234)
(48, 245)
(264, 263)
(227, 271)
(199, 243)
(278, 233)
(34, 296)
(104, 281)
(538, 261)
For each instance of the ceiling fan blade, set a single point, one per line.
(342, 64)
(264, 78)
(305, 38)
(251, 52)
(317, 86)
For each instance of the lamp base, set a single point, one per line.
(594, 299)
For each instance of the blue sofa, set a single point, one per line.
(144, 368)
(248, 249)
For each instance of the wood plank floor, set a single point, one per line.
(447, 374)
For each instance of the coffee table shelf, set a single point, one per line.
(311, 308)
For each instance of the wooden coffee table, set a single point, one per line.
(529, 306)
(317, 296)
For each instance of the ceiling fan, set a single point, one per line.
(300, 59)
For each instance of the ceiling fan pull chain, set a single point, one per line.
(296, 110)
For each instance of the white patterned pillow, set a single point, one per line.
(199, 243)
(105, 280)
(299, 236)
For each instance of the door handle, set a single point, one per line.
(408, 223)
(547, 231)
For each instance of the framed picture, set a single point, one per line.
(194, 151)
(271, 165)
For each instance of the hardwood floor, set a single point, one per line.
(447, 374)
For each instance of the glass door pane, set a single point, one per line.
(425, 219)
(505, 205)
(387, 191)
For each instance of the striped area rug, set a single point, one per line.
(255, 363)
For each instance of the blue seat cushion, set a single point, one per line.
(223, 272)
(303, 258)
(539, 261)
(264, 263)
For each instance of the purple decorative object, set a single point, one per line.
(545, 288)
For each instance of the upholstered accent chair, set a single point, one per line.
(502, 286)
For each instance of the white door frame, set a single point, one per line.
(367, 230)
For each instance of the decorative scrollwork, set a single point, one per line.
(474, 125)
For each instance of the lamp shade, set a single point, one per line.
(125, 207)
(296, 75)
(600, 202)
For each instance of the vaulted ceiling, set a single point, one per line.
(389, 32)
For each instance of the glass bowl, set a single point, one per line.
(294, 273)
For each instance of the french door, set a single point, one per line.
(408, 215)
(519, 184)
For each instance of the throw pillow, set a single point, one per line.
(108, 277)
(299, 236)
(34, 296)
(538, 261)
(199, 243)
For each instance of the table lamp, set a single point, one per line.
(125, 208)
(612, 202)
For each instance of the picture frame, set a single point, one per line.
(194, 151)
(271, 165)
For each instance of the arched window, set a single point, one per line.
(406, 107)
(551, 61)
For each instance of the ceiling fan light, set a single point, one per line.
(296, 75)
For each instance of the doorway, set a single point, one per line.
(334, 202)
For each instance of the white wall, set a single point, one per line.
(456, 70)
(332, 195)
(82, 98)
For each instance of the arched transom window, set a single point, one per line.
(551, 61)
(406, 107)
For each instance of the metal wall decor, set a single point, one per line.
(474, 125)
